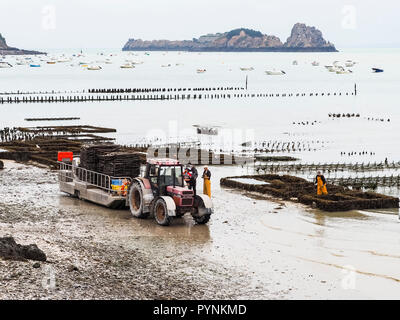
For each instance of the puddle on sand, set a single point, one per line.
(250, 181)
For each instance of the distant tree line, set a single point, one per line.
(249, 32)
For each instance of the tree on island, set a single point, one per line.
(249, 32)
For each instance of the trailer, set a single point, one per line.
(91, 186)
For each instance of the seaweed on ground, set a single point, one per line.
(293, 188)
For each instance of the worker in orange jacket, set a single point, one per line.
(320, 181)
(125, 186)
(206, 184)
(187, 176)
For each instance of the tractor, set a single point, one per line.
(161, 193)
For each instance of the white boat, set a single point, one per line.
(349, 63)
(343, 71)
(4, 64)
(315, 63)
(127, 66)
(295, 63)
(207, 129)
(275, 73)
(201, 70)
(94, 68)
(331, 68)
(247, 69)
(165, 65)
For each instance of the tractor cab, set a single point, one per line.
(164, 173)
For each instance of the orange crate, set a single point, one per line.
(62, 156)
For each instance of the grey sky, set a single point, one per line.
(36, 24)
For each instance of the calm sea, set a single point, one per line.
(265, 118)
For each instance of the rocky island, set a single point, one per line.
(302, 39)
(6, 50)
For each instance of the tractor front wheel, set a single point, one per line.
(203, 219)
(199, 211)
(160, 212)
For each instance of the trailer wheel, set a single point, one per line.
(160, 212)
(77, 194)
(136, 201)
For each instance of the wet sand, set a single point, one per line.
(253, 248)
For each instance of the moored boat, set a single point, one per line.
(4, 64)
(275, 73)
(349, 63)
(127, 66)
(247, 69)
(343, 71)
(94, 68)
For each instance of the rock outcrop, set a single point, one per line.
(6, 50)
(10, 250)
(3, 44)
(303, 38)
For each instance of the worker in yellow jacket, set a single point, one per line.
(320, 181)
(206, 184)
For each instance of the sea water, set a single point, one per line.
(260, 119)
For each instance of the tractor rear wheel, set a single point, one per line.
(136, 201)
(160, 212)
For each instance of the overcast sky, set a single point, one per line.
(45, 24)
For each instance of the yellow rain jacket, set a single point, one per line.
(207, 183)
(321, 185)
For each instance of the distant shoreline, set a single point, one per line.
(19, 52)
(270, 49)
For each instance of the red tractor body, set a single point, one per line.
(162, 192)
(182, 197)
